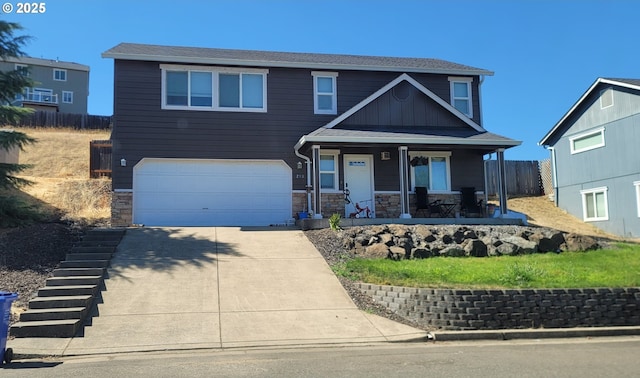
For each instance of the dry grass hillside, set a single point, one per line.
(60, 174)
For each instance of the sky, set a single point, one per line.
(545, 54)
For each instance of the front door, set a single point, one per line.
(358, 178)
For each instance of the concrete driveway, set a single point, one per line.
(222, 287)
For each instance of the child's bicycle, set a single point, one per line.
(360, 212)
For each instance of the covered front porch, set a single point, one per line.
(400, 157)
(390, 181)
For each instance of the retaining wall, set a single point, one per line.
(456, 309)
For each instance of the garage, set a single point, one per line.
(201, 192)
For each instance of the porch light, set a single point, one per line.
(385, 155)
(123, 162)
(299, 165)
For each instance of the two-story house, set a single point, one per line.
(208, 136)
(58, 86)
(595, 159)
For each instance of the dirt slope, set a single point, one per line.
(543, 212)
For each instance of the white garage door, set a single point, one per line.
(198, 192)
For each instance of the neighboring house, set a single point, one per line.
(595, 158)
(58, 86)
(233, 137)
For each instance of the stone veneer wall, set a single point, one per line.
(456, 309)
(121, 209)
(387, 205)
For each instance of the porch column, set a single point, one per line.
(502, 182)
(404, 182)
(316, 183)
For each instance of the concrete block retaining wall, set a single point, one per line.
(456, 309)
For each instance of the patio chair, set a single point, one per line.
(469, 204)
(422, 202)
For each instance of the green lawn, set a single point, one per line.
(618, 267)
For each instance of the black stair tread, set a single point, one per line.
(49, 291)
(73, 277)
(55, 309)
(68, 287)
(60, 298)
(91, 271)
(44, 323)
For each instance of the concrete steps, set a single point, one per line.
(84, 264)
(61, 307)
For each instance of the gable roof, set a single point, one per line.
(626, 83)
(181, 54)
(474, 135)
(47, 63)
(420, 87)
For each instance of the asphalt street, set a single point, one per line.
(584, 357)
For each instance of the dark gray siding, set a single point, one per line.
(403, 105)
(143, 129)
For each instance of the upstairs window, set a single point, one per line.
(67, 97)
(587, 141)
(241, 91)
(23, 69)
(189, 88)
(325, 98)
(461, 95)
(59, 75)
(213, 88)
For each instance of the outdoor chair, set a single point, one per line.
(469, 204)
(422, 202)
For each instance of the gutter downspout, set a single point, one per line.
(480, 102)
(554, 174)
(308, 186)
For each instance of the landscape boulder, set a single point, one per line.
(421, 241)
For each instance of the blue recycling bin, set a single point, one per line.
(6, 299)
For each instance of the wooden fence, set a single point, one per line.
(523, 177)
(43, 118)
(100, 158)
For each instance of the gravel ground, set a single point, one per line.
(334, 252)
(28, 256)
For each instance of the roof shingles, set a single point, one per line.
(132, 51)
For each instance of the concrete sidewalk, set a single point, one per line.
(186, 288)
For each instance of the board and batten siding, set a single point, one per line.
(615, 166)
(143, 129)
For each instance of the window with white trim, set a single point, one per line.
(325, 93)
(214, 88)
(430, 169)
(59, 74)
(329, 170)
(587, 141)
(23, 69)
(461, 98)
(594, 204)
(637, 185)
(606, 98)
(67, 97)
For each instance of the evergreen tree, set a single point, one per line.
(12, 83)
(13, 211)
